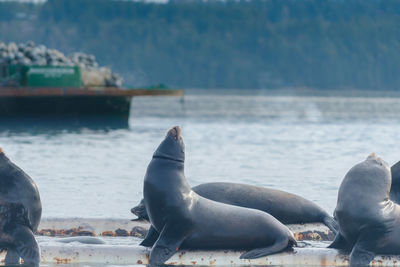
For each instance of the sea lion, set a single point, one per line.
(369, 221)
(286, 207)
(395, 188)
(183, 219)
(20, 213)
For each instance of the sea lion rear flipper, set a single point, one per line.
(331, 224)
(151, 237)
(361, 256)
(25, 244)
(12, 257)
(339, 243)
(278, 246)
(171, 237)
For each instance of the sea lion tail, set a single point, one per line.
(331, 224)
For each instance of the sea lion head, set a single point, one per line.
(372, 174)
(364, 188)
(140, 211)
(172, 147)
(380, 166)
(380, 163)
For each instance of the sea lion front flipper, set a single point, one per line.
(331, 224)
(25, 244)
(171, 237)
(278, 246)
(12, 257)
(361, 256)
(151, 237)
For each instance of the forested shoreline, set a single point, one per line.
(331, 44)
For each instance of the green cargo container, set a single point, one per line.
(45, 76)
(50, 76)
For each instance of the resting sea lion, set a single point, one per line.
(20, 213)
(286, 207)
(369, 221)
(180, 218)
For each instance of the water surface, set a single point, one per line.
(303, 144)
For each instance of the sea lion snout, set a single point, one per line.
(378, 160)
(175, 132)
(375, 158)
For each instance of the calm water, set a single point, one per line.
(302, 144)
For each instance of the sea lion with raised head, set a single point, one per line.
(180, 218)
(286, 207)
(20, 213)
(369, 221)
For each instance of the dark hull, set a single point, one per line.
(48, 101)
(65, 105)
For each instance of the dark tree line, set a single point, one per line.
(223, 44)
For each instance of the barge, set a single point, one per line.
(66, 90)
(55, 101)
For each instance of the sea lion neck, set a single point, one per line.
(166, 157)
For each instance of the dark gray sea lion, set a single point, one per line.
(395, 188)
(286, 207)
(20, 213)
(369, 221)
(180, 218)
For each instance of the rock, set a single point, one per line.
(12, 47)
(139, 231)
(121, 232)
